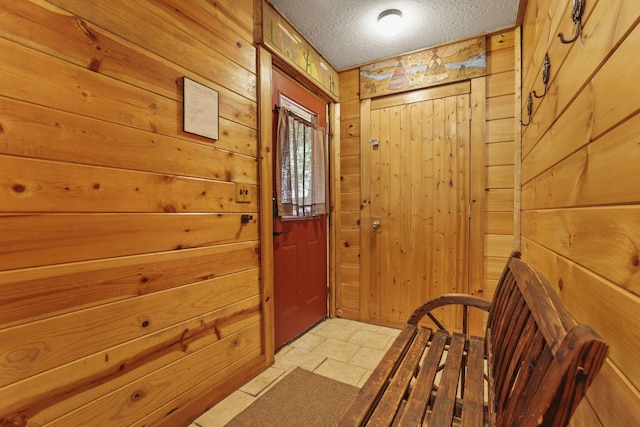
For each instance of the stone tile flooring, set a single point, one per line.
(341, 349)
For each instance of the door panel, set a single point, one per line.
(299, 245)
(419, 187)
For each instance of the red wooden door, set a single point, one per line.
(299, 245)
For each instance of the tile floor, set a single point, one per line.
(341, 349)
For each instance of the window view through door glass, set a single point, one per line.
(302, 162)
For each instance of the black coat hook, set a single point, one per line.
(576, 17)
(529, 109)
(545, 75)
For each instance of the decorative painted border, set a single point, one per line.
(285, 41)
(434, 66)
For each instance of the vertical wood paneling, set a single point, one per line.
(419, 184)
(130, 289)
(493, 108)
(579, 175)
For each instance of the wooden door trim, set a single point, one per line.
(422, 95)
(265, 67)
(365, 210)
(335, 205)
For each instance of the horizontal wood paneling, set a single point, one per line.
(348, 237)
(587, 177)
(593, 112)
(109, 55)
(145, 393)
(350, 146)
(350, 165)
(42, 239)
(500, 84)
(37, 293)
(500, 176)
(38, 186)
(40, 132)
(500, 153)
(579, 175)
(143, 25)
(129, 286)
(499, 223)
(65, 340)
(578, 234)
(500, 200)
(592, 299)
(500, 107)
(500, 60)
(497, 245)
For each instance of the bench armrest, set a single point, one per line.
(447, 299)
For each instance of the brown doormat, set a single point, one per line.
(301, 399)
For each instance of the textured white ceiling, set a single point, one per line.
(343, 31)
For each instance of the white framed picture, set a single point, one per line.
(200, 107)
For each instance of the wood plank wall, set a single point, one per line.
(348, 274)
(129, 287)
(580, 179)
(500, 140)
(500, 135)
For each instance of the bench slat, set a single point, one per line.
(509, 339)
(473, 407)
(504, 376)
(535, 363)
(533, 357)
(370, 393)
(552, 318)
(420, 395)
(387, 408)
(446, 398)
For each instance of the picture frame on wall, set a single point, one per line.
(201, 109)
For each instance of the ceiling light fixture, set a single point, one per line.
(389, 22)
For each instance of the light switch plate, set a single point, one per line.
(242, 193)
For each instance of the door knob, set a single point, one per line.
(375, 225)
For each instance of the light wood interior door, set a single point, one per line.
(418, 181)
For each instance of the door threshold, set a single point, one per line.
(301, 334)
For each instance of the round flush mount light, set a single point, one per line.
(390, 22)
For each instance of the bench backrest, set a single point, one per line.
(542, 361)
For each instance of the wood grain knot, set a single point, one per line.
(18, 188)
(137, 395)
(95, 65)
(145, 323)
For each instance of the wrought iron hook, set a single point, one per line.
(576, 17)
(529, 109)
(545, 75)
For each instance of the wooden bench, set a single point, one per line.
(532, 367)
